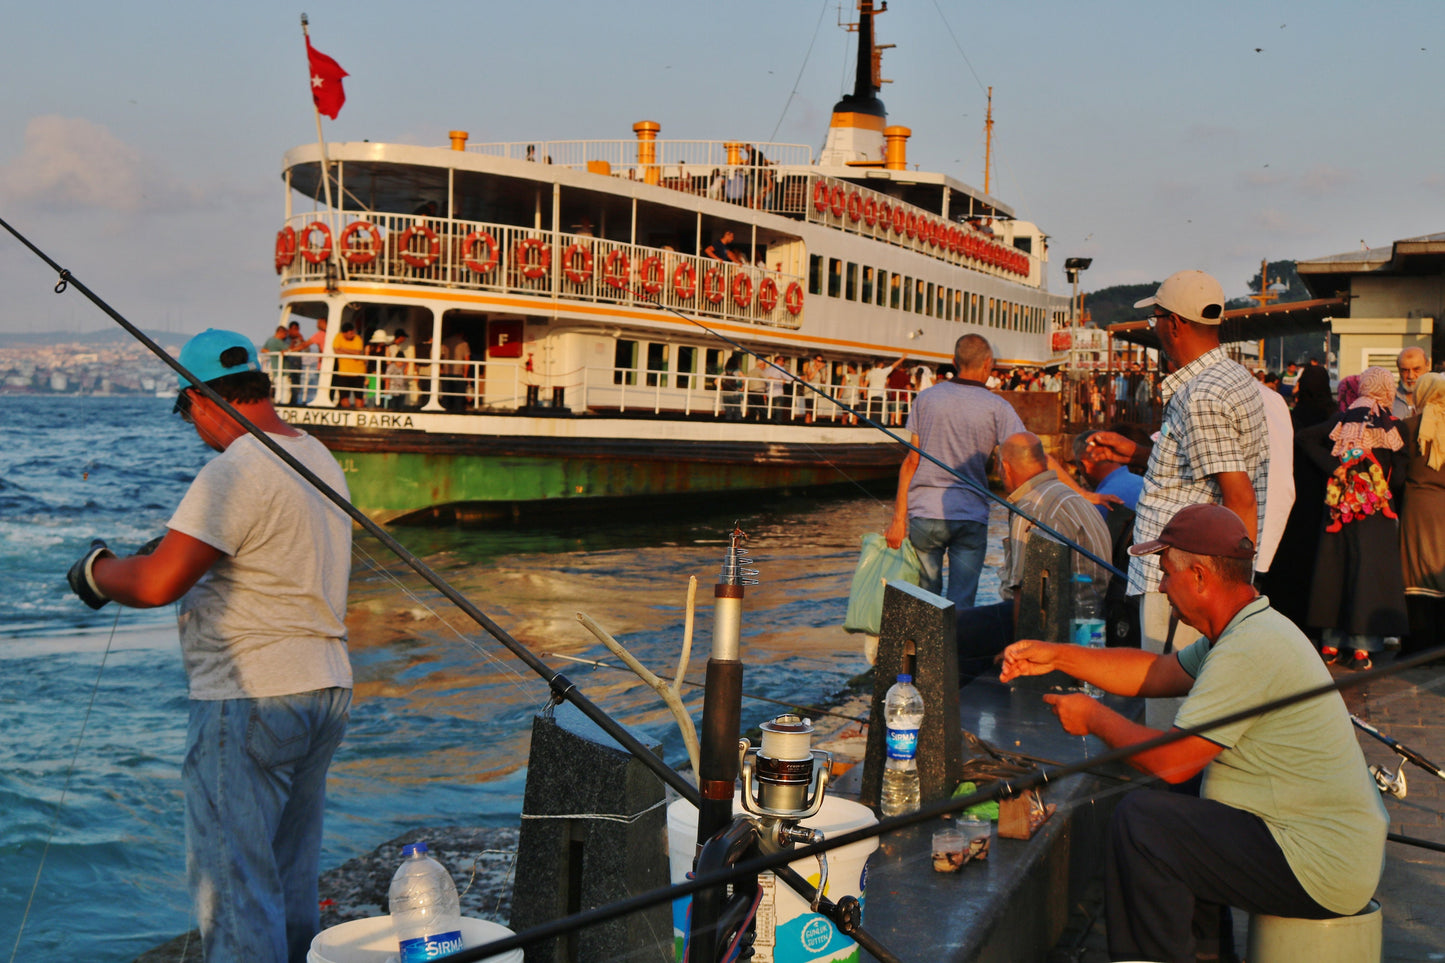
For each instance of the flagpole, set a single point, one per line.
(325, 163)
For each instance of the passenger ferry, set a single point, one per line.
(578, 326)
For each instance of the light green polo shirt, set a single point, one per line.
(1298, 768)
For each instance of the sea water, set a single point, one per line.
(90, 824)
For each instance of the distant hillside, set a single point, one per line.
(103, 336)
(1114, 304)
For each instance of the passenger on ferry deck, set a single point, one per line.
(850, 391)
(1213, 443)
(777, 382)
(401, 371)
(876, 380)
(721, 249)
(898, 384)
(349, 381)
(1287, 820)
(317, 341)
(293, 391)
(985, 630)
(959, 422)
(815, 374)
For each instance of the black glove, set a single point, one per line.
(81, 581)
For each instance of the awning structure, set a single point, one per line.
(1251, 324)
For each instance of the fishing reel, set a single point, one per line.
(776, 792)
(1391, 784)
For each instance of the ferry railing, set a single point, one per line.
(476, 255)
(622, 153)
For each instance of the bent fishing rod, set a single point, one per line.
(778, 862)
(562, 687)
(982, 490)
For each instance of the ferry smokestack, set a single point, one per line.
(855, 132)
(646, 131)
(459, 139)
(896, 153)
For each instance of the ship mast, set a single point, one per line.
(988, 144)
(855, 132)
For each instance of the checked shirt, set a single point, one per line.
(1213, 423)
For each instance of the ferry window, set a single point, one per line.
(656, 364)
(686, 365)
(882, 288)
(958, 305)
(815, 274)
(835, 276)
(867, 294)
(992, 313)
(940, 303)
(850, 284)
(920, 300)
(624, 363)
(945, 295)
(895, 285)
(928, 301)
(975, 313)
(908, 294)
(713, 359)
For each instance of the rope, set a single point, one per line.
(69, 772)
(605, 817)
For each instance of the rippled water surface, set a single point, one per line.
(442, 713)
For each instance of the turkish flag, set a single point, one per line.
(326, 74)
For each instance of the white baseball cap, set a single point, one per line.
(1193, 295)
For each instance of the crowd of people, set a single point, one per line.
(1272, 529)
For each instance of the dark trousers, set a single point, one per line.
(1174, 860)
(1427, 624)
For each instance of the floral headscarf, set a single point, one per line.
(1429, 399)
(1367, 422)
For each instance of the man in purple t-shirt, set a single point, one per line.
(959, 422)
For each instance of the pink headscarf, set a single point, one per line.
(1367, 422)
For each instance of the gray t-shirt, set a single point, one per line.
(268, 619)
(960, 425)
(1298, 768)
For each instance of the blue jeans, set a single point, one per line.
(966, 543)
(255, 789)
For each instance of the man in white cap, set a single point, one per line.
(259, 560)
(1212, 446)
(1287, 821)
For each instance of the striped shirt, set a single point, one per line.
(1066, 512)
(1213, 423)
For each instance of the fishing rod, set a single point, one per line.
(1394, 783)
(778, 862)
(562, 688)
(982, 490)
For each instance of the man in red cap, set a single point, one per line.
(1287, 821)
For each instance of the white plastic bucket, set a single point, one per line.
(372, 940)
(788, 931)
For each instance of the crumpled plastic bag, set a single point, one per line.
(877, 563)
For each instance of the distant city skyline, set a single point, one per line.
(145, 139)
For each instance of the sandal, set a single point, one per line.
(1361, 662)
(1330, 654)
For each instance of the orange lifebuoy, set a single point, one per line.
(793, 299)
(359, 255)
(713, 289)
(470, 242)
(820, 196)
(934, 230)
(684, 281)
(425, 258)
(569, 261)
(885, 214)
(767, 295)
(900, 220)
(742, 290)
(652, 274)
(837, 200)
(530, 269)
(911, 225)
(870, 211)
(316, 255)
(614, 269)
(285, 247)
(855, 206)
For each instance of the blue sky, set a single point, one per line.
(142, 141)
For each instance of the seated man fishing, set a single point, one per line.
(1288, 821)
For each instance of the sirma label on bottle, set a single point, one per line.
(422, 948)
(902, 743)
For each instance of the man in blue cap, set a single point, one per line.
(259, 560)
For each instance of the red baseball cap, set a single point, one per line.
(1201, 530)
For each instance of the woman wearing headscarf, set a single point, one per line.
(1287, 583)
(1358, 595)
(1422, 517)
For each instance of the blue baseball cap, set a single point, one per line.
(202, 356)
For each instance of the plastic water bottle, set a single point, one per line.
(902, 714)
(424, 907)
(1087, 628)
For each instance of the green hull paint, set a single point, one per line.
(389, 485)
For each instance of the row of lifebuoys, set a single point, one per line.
(835, 199)
(533, 258)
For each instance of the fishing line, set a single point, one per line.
(816, 30)
(981, 490)
(65, 788)
(562, 687)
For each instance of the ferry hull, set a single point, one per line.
(426, 476)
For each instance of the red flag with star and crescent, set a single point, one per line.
(326, 74)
